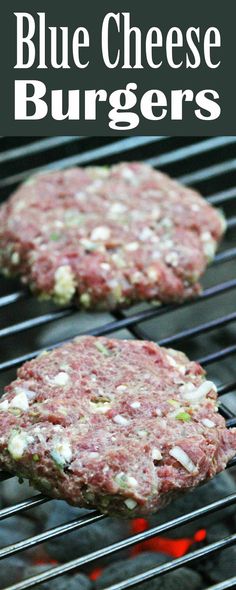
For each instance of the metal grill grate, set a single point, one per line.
(186, 160)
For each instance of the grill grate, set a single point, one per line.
(185, 159)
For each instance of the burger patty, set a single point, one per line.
(118, 425)
(108, 237)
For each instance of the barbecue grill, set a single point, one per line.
(204, 328)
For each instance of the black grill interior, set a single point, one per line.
(205, 329)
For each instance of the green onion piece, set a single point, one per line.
(183, 416)
(121, 480)
(102, 348)
(55, 237)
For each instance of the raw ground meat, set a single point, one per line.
(108, 237)
(118, 425)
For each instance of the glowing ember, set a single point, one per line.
(172, 547)
(45, 561)
(96, 573)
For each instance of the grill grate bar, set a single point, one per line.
(200, 329)
(230, 583)
(216, 356)
(13, 298)
(148, 314)
(116, 148)
(231, 223)
(225, 412)
(36, 147)
(190, 150)
(125, 322)
(174, 564)
(22, 506)
(57, 531)
(226, 388)
(37, 321)
(129, 143)
(120, 321)
(231, 463)
(231, 423)
(129, 542)
(223, 196)
(209, 172)
(225, 256)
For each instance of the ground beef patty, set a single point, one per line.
(108, 237)
(115, 424)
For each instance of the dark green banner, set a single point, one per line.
(126, 68)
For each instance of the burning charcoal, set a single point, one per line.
(84, 540)
(183, 578)
(15, 529)
(11, 570)
(74, 582)
(218, 566)
(77, 582)
(224, 563)
(13, 492)
(221, 486)
(42, 512)
(217, 531)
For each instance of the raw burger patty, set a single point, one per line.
(115, 424)
(107, 237)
